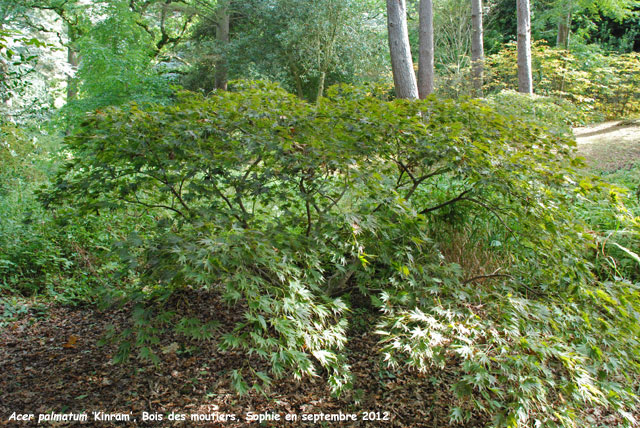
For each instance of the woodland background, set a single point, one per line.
(244, 206)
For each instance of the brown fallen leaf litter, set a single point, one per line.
(53, 363)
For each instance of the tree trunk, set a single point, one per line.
(564, 29)
(222, 37)
(323, 77)
(4, 71)
(404, 78)
(296, 77)
(525, 79)
(477, 47)
(72, 59)
(426, 50)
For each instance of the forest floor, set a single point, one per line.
(610, 146)
(51, 362)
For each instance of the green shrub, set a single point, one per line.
(555, 113)
(18, 158)
(614, 216)
(287, 209)
(21, 169)
(597, 84)
(45, 254)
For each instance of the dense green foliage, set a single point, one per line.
(291, 210)
(306, 45)
(599, 84)
(118, 63)
(611, 24)
(20, 72)
(42, 253)
(558, 114)
(622, 35)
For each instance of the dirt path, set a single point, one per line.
(610, 146)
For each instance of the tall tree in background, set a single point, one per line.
(525, 78)
(31, 81)
(328, 39)
(610, 23)
(73, 16)
(426, 50)
(562, 41)
(450, 21)
(305, 45)
(222, 37)
(404, 78)
(72, 59)
(564, 11)
(477, 46)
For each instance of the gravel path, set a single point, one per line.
(610, 146)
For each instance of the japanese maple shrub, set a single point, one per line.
(286, 209)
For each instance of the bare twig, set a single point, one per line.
(492, 210)
(449, 202)
(146, 205)
(479, 277)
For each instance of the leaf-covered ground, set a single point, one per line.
(51, 363)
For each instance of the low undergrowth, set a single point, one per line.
(55, 255)
(591, 85)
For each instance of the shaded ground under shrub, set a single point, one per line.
(52, 363)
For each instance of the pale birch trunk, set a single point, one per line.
(72, 60)
(564, 30)
(477, 47)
